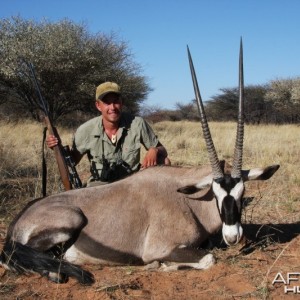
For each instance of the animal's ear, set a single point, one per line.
(259, 173)
(188, 189)
(194, 188)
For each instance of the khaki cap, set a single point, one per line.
(106, 88)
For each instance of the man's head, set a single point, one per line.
(108, 101)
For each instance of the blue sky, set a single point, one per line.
(158, 31)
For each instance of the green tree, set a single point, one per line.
(188, 111)
(69, 62)
(223, 107)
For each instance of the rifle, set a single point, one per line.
(73, 175)
(66, 165)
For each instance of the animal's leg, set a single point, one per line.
(56, 237)
(50, 238)
(152, 266)
(183, 258)
(204, 263)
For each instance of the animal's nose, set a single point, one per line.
(232, 234)
(231, 240)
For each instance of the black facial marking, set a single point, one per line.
(229, 213)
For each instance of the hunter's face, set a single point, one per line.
(110, 107)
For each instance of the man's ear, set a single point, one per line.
(97, 104)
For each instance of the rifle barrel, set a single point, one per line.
(58, 149)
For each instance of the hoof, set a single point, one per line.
(56, 277)
(207, 261)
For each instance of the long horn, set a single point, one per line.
(238, 150)
(212, 154)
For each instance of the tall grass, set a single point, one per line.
(263, 144)
(277, 200)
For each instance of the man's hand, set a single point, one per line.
(51, 141)
(150, 158)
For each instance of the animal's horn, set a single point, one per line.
(213, 158)
(238, 150)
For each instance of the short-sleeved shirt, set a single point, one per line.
(91, 139)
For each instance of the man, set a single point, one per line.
(112, 141)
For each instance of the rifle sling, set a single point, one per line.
(44, 165)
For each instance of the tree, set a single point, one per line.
(284, 95)
(223, 107)
(69, 61)
(188, 111)
(257, 110)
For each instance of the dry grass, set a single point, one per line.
(264, 144)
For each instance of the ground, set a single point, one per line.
(245, 271)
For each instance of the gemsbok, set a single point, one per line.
(146, 217)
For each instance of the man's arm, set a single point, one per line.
(156, 152)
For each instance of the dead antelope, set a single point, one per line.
(149, 216)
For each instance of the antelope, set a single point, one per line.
(162, 213)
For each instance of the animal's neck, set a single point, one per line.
(208, 214)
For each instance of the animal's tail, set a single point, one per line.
(22, 258)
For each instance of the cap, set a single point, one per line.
(105, 88)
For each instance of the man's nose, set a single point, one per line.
(112, 105)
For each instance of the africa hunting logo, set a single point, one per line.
(286, 280)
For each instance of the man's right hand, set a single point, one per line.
(51, 141)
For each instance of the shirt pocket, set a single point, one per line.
(131, 154)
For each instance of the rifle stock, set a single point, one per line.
(58, 152)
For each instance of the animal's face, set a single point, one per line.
(229, 192)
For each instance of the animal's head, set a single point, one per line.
(228, 187)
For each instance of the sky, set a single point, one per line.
(158, 31)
